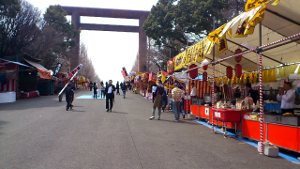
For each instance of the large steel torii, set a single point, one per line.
(76, 12)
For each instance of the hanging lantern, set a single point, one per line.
(193, 73)
(229, 72)
(238, 70)
(205, 67)
(238, 58)
(204, 76)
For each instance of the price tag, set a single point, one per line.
(218, 114)
(206, 112)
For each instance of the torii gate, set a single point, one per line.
(76, 12)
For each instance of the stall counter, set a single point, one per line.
(284, 136)
(204, 112)
(195, 110)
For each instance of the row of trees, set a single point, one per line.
(174, 25)
(49, 37)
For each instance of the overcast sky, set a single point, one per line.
(109, 51)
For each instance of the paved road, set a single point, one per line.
(39, 133)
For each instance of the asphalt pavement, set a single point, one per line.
(39, 133)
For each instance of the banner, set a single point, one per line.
(276, 2)
(257, 15)
(240, 32)
(222, 44)
(251, 4)
(214, 35)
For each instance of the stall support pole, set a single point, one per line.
(261, 104)
(260, 92)
(213, 97)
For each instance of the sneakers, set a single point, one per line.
(151, 118)
(158, 118)
(110, 110)
(176, 120)
(107, 110)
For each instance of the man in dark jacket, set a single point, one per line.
(124, 88)
(109, 91)
(118, 88)
(91, 86)
(69, 95)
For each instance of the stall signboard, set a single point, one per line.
(194, 54)
(137, 79)
(152, 77)
(161, 77)
(145, 77)
(171, 65)
(125, 72)
(178, 64)
(170, 81)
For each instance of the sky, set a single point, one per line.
(109, 51)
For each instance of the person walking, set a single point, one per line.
(182, 112)
(69, 95)
(91, 86)
(165, 101)
(118, 87)
(102, 90)
(154, 88)
(158, 100)
(176, 97)
(124, 89)
(59, 87)
(109, 91)
(95, 91)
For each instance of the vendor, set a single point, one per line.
(287, 98)
(252, 93)
(193, 91)
(218, 94)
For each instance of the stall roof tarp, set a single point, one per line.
(43, 72)
(18, 63)
(279, 21)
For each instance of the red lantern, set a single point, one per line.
(238, 70)
(193, 73)
(205, 67)
(204, 76)
(238, 58)
(229, 72)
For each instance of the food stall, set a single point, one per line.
(145, 79)
(281, 130)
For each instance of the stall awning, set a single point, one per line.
(43, 72)
(17, 63)
(279, 21)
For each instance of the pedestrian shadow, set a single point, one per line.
(1, 125)
(118, 112)
(76, 110)
(180, 121)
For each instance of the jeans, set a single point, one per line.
(102, 93)
(176, 109)
(124, 92)
(182, 108)
(159, 111)
(95, 95)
